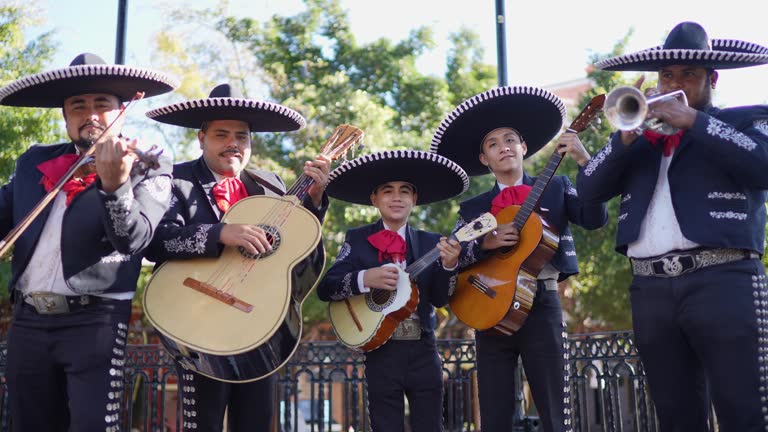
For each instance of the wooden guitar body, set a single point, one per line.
(498, 291)
(238, 318)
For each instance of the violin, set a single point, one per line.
(145, 160)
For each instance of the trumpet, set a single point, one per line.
(626, 109)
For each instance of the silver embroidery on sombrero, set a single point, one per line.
(487, 95)
(721, 51)
(229, 102)
(86, 71)
(397, 154)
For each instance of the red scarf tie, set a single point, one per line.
(389, 244)
(228, 192)
(54, 169)
(512, 195)
(670, 141)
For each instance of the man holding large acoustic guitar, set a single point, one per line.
(513, 302)
(371, 264)
(206, 319)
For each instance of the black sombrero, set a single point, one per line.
(435, 177)
(226, 103)
(688, 44)
(87, 73)
(535, 113)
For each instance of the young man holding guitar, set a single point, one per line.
(493, 132)
(408, 363)
(203, 191)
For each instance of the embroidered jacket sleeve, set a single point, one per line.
(471, 252)
(741, 147)
(318, 212)
(179, 238)
(341, 280)
(587, 215)
(601, 178)
(133, 211)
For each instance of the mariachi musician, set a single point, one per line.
(75, 268)
(408, 364)
(203, 190)
(492, 133)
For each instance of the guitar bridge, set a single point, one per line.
(481, 286)
(219, 295)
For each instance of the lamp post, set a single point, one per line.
(501, 44)
(122, 17)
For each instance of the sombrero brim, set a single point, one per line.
(261, 116)
(435, 177)
(725, 54)
(50, 89)
(536, 113)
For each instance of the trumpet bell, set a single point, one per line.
(626, 108)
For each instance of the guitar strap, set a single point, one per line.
(263, 182)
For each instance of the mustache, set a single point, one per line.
(95, 124)
(235, 152)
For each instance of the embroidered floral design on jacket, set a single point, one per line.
(194, 244)
(725, 131)
(119, 210)
(598, 159)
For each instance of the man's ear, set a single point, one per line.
(713, 79)
(200, 135)
(525, 148)
(483, 159)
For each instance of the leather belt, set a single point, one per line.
(408, 329)
(46, 303)
(678, 263)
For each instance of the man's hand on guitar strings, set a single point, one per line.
(252, 238)
(504, 235)
(381, 278)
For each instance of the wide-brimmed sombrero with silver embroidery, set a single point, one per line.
(227, 103)
(534, 112)
(434, 177)
(688, 44)
(87, 73)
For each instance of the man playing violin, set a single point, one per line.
(692, 222)
(408, 364)
(203, 190)
(75, 267)
(492, 133)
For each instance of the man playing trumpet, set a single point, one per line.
(692, 221)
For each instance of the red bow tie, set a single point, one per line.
(512, 195)
(54, 169)
(670, 141)
(389, 244)
(228, 192)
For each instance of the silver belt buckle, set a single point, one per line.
(49, 303)
(408, 329)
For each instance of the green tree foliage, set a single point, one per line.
(21, 127)
(312, 63)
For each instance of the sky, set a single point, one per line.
(548, 42)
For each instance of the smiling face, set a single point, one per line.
(86, 116)
(226, 146)
(693, 80)
(394, 201)
(502, 151)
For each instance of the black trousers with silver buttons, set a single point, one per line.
(540, 344)
(704, 336)
(249, 406)
(65, 372)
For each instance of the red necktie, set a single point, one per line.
(670, 141)
(54, 169)
(228, 192)
(389, 244)
(512, 195)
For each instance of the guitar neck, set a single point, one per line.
(532, 201)
(424, 262)
(301, 187)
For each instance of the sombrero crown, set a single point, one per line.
(533, 112)
(434, 177)
(87, 73)
(227, 103)
(688, 44)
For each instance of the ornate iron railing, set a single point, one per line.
(323, 388)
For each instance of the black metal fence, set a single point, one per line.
(323, 389)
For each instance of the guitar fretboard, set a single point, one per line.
(532, 201)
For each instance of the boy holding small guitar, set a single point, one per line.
(492, 133)
(370, 266)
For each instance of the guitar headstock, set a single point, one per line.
(342, 139)
(588, 114)
(483, 224)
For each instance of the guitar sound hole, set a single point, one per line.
(377, 299)
(273, 236)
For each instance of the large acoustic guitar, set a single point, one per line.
(237, 317)
(366, 321)
(498, 291)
